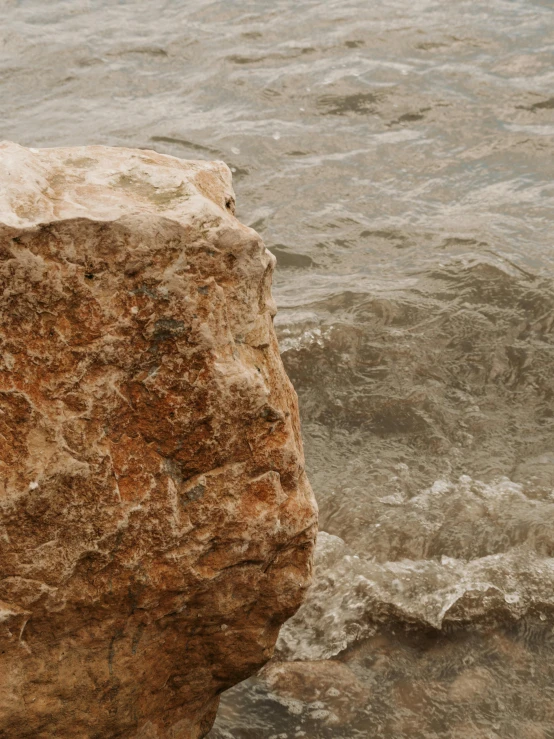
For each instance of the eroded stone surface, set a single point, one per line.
(156, 523)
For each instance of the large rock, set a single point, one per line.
(156, 523)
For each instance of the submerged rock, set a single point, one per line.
(325, 690)
(156, 523)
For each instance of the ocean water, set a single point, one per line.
(398, 159)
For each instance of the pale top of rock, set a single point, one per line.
(102, 183)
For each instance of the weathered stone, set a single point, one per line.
(156, 523)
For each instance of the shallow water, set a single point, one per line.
(461, 684)
(397, 158)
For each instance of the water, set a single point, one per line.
(398, 159)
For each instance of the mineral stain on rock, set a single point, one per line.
(156, 523)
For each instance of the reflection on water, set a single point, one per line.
(397, 159)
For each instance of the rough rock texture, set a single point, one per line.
(156, 523)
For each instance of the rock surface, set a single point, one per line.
(156, 523)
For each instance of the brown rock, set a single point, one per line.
(417, 696)
(334, 691)
(471, 685)
(156, 523)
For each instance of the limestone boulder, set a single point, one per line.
(156, 523)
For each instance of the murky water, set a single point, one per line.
(397, 157)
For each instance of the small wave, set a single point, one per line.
(351, 596)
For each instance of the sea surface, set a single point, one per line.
(398, 159)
